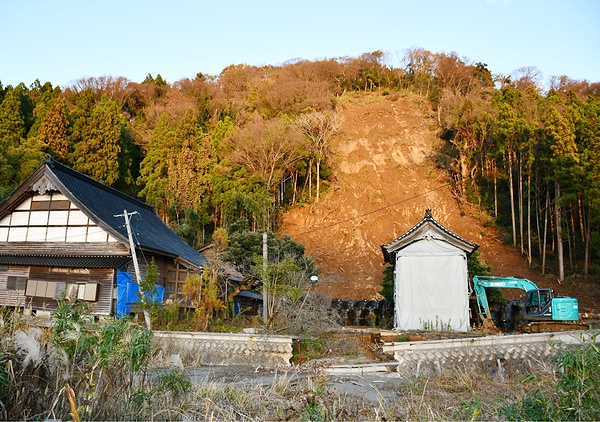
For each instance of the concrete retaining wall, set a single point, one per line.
(194, 349)
(431, 357)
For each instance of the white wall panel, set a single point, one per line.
(96, 234)
(45, 197)
(17, 234)
(59, 197)
(59, 218)
(20, 219)
(25, 205)
(76, 234)
(36, 234)
(38, 218)
(77, 218)
(56, 234)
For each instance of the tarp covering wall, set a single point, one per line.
(127, 293)
(431, 287)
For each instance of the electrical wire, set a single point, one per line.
(136, 237)
(365, 214)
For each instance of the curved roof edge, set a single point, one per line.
(105, 206)
(416, 233)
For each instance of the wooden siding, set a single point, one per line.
(171, 274)
(175, 276)
(143, 264)
(69, 249)
(104, 278)
(14, 298)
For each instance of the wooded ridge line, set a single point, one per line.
(245, 145)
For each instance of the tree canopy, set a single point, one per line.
(253, 140)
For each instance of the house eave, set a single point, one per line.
(417, 233)
(65, 261)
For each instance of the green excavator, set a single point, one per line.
(539, 311)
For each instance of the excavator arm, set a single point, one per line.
(480, 282)
(543, 312)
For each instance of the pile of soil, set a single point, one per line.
(385, 179)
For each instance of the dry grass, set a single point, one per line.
(460, 395)
(36, 377)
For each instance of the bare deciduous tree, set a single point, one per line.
(267, 148)
(320, 127)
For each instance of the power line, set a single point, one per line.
(136, 235)
(365, 214)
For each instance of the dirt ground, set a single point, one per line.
(386, 179)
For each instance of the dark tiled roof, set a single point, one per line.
(250, 294)
(402, 241)
(229, 269)
(65, 261)
(106, 203)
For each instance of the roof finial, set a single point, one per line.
(428, 213)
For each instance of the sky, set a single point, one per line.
(62, 41)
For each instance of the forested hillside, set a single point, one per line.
(241, 148)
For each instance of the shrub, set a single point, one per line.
(80, 368)
(576, 396)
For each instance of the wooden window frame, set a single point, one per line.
(174, 286)
(69, 270)
(87, 291)
(16, 282)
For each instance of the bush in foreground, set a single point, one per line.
(82, 369)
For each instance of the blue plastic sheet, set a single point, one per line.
(127, 293)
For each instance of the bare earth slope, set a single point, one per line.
(386, 179)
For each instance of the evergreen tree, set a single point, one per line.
(53, 129)
(237, 194)
(585, 187)
(16, 115)
(13, 126)
(189, 175)
(30, 155)
(98, 153)
(564, 161)
(81, 105)
(160, 153)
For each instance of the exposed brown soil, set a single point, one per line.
(386, 179)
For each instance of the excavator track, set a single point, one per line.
(552, 326)
(490, 326)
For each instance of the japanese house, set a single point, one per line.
(64, 235)
(236, 288)
(431, 280)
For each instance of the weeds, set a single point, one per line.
(576, 396)
(78, 368)
(437, 325)
(81, 369)
(307, 349)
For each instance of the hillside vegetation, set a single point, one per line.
(341, 154)
(386, 177)
(331, 159)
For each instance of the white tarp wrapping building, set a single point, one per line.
(431, 280)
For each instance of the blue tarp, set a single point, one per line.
(127, 293)
(122, 280)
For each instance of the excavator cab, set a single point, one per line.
(541, 304)
(538, 303)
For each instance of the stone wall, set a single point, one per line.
(492, 352)
(194, 349)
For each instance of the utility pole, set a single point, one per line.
(135, 261)
(265, 295)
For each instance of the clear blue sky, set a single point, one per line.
(61, 41)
